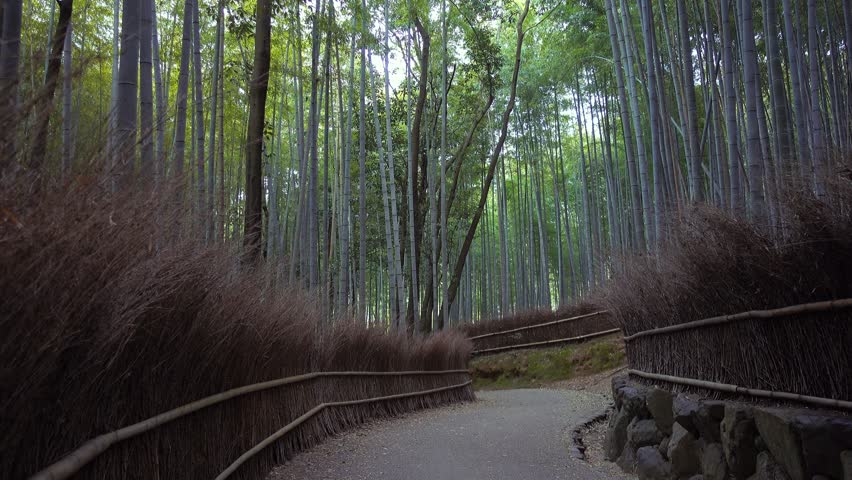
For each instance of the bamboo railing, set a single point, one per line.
(538, 325)
(769, 314)
(310, 413)
(830, 305)
(752, 392)
(76, 460)
(546, 343)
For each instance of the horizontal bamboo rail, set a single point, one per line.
(546, 342)
(753, 314)
(76, 460)
(310, 413)
(539, 325)
(728, 388)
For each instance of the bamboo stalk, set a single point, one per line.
(76, 460)
(539, 325)
(547, 342)
(753, 314)
(728, 388)
(310, 413)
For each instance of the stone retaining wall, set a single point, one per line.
(660, 435)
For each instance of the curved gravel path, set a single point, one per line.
(506, 434)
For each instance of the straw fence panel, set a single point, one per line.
(567, 328)
(202, 444)
(798, 351)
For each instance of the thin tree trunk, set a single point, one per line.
(385, 197)
(696, 182)
(313, 141)
(778, 92)
(795, 70)
(445, 263)
(818, 147)
(209, 221)
(397, 263)
(220, 233)
(343, 298)
(732, 130)
(656, 117)
(67, 113)
(495, 156)
(647, 201)
(146, 91)
(198, 128)
(638, 236)
(752, 95)
(182, 91)
(159, 97)
(362, 180)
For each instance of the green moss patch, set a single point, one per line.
(535, 368)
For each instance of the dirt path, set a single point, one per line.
(506, 434)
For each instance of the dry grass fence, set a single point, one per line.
(111, 314)
(489, 335)
(716, 265)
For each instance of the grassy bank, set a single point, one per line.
(535, 368)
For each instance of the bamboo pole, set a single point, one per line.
(76, 460)
(539, 325)
(825, 306)
(734, 389)
(310, 413)
(547, 342)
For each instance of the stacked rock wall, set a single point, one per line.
(660, 435)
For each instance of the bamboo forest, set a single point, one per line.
(232, 229)
(517, 150)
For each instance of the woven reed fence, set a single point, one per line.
(547, 334)
(790, 353)
(248, 430)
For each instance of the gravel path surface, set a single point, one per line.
(506, 434)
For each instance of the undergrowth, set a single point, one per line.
(715, 264)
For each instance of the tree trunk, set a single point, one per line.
(732, 130)
(44, 106)
(638, 236)
(818, 147)
(647, 201)
(397, 263)
(795, 71)
(254, 141)
(777, 91)
(313, 141)
(67, 113)
(444, 257)
(124, 153)
(696, 182)
(495, 156)
(362, 181)
(210, 220)
(198, 129)
(752, 95)
(414, 150)
(656, 118)
(182, 91)
(159, 97)
(146, 92)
